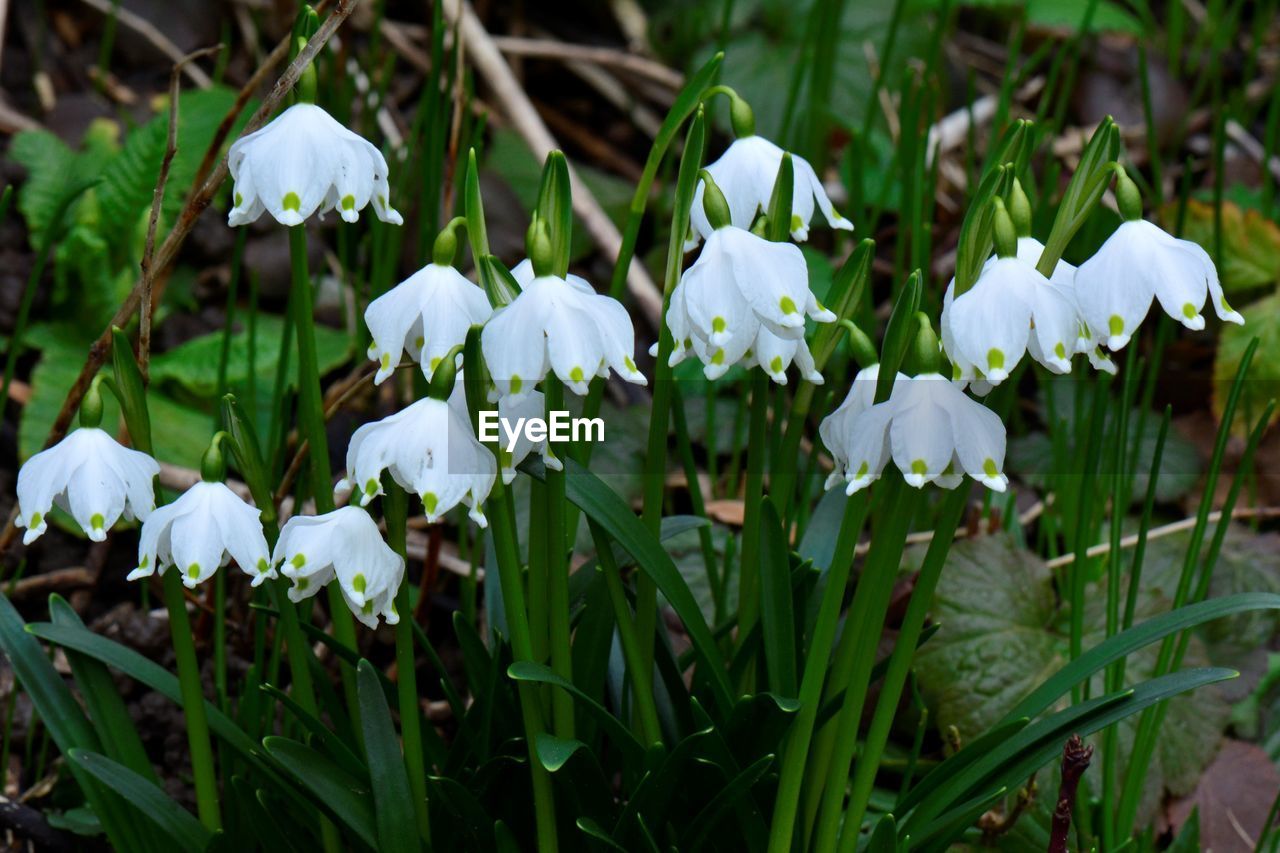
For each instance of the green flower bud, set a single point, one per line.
(864, 351)
(1128, 198)
(713, 201)
(213, 465)
(1020, 210)
(91, 405)
(926, 355)
(446, 245)
(538, 246)
(445, 375)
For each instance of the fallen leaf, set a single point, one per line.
(1234, 797)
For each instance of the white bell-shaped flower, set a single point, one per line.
(746, 173)
(198, 533)
(305, 162)
(426, 315)
(430, 450)
(836, 429)
(511, 410)
(1140, 262)
(744, 294)
(932, 431)
(89, 475)
(345, 544)
(560, 325)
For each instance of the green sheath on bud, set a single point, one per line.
(446, 245)
(864, 351)
(1003, 233)
(1128, 198)
(741, 116)
(304, 92)
(713, 201)
(91, 405)
(444, 376)
(926, 355)
(1020, 209)
(213, 465)
(538, 246)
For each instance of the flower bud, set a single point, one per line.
(926, 355)
(1020, 210)
(1004, 235)
(713, 202)
(91, 405)
(444, 376)
(213, 465)
(1128, 199)
(538, 247)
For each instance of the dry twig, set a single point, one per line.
(148, 31)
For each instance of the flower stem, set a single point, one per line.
(795, 749)
(748, 567)
(645, 706)
(395, 511)
(311, 415)
(184, 649)
(557, 590)
(502, 524)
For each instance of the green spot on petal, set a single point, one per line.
(775, 366)
(263, 565)
(796, 222)
(348, 202)
(955, 371)
(430, 502)
(367, 609)
(1189, 311)
(631, 365)
(862, 470)
(299, 560)
(36, 518)
(371, 487)
(434, 363)
(1060, 350)
(919, 467)
(358, 583)
(718, 324)
(1116, 324)
(989, 468)
(291, 202)
(302, 583)
(418, 342)
(385, 361)
(718, 357)
(516, 384)
(576, 374)
(144, 562)
(239, 199)
(1226, 306)
(787, 305)
(97, 521)
(995, 359)
(193, 570)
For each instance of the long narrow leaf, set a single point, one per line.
(181, 829)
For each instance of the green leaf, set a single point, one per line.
(326, 737)
(336, 792)
(132, 390)
(1261, 321)
(593, 497)
(555, 752)
(725, 799)
(180, 827)
(884, 838)
(777, 612)
(393, 804)
(524, 670)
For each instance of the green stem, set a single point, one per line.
(904, 650)
(311, 415)
(757, 458)
(557, 588)
(795, 749)
(858, 649)
(501, 519)
(645, 706)
(395, 509)
(184, 649)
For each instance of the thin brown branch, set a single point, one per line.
(1075, 760)
(148, 31)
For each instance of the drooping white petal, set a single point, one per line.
(921, 434)
(979, 438)
(303, 163)
(199, 532)
(91, 476)
(989, 324)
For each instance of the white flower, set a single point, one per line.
(929, 427)
(199, 532)
(510, 411)
(429, 450)
(746, 173)
(346, 544)
(744, 294)
(1010, 309)
(89, 475)
(561, 325)
(835, 428)
(1138, 262)
(303, 162)
(426, 315)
